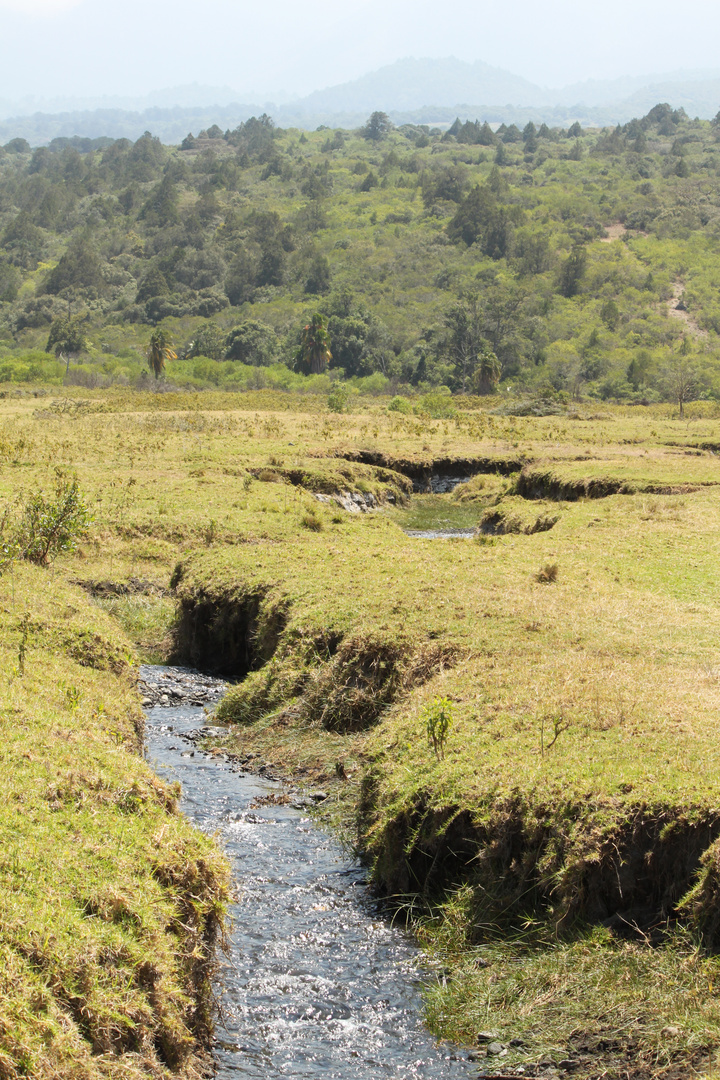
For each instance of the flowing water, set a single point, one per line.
(441, 534)
(318, 983)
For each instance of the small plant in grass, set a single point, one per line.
(438, 716)
(72, 697)
(211, 532)
(311, 521)
(547, 573)
(559, 724)
(22, 648)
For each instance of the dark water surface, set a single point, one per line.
(318, 983)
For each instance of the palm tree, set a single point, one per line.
(313, 353)
(160, 350)
(488, 372)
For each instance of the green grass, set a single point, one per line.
(146, 620)
(602, 1003)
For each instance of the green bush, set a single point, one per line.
(46, 525)
(338, 399)
(437, 405)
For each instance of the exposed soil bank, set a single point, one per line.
(502, 521)
(633, 871)
(438, 474)
(344, 681)
(537, 483)
(612, 861)
(355, 481)
(231, 636)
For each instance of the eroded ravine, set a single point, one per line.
(317, 983)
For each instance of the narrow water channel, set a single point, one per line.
(318, 983)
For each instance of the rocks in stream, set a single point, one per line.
(181, 686)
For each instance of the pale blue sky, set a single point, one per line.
(55, 48)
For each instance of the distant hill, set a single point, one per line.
(420, 91)
(412, 84)
(421, 87)
(697, 97)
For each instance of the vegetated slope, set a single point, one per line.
(111, 906)
(424, 250)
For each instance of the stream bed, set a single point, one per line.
(318, 982)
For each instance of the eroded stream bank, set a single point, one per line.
(317, 983)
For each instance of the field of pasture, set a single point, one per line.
(558, 846)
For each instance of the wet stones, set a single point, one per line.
(181, 686)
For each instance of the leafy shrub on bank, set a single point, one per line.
(45, 526)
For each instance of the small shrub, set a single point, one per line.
(338, 399)
(438, 716)
(437, 405)
(48, 524)
(400, 404)
(547, 573)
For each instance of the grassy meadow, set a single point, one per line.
(557, 852)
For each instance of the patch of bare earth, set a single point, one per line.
(613, 232)
(617, 231)
(677, 310)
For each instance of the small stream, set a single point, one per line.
(318, 983)
(441, 534)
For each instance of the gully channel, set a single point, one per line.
(318, 983)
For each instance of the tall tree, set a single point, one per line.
(681, 379)
(67, 335)
(572, 272)
(313, 354)
(159, 351)
(377, 127)
(487, 372)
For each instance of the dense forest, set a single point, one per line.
(557, 263)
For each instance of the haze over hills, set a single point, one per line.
(422, 91)
(189, 96)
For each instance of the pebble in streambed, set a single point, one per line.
(317, 983)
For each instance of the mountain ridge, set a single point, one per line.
(410, 90)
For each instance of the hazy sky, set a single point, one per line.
(56, 48)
